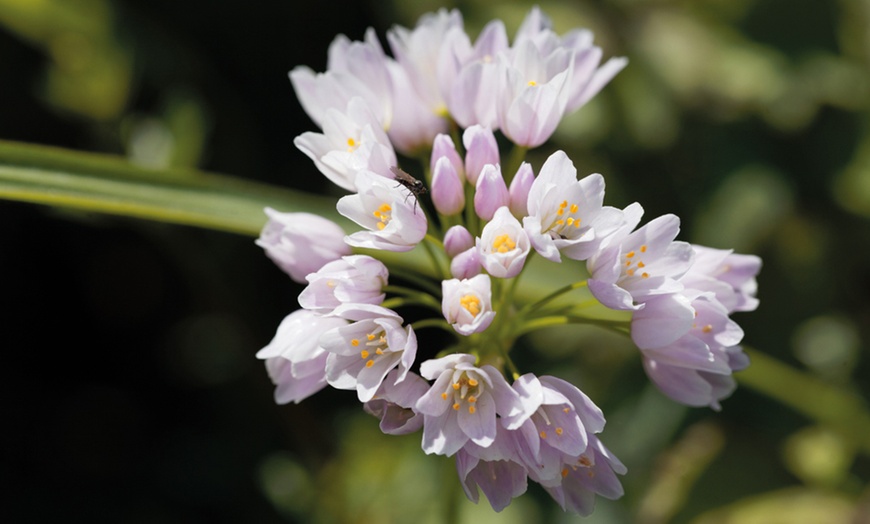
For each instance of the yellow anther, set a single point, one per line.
(351, 143)
(584, 461)
(472, 382)
(370, 363)
(564, 204)
(456, 406)
(444, 396)
(577, 223)
(640, 263)
(532, 83)
(471, 304)
(560, 222)
(471, 409)
(370, 336)
(381, 226)
(566, 410)
(630, 272)
(383, 339)
(472, 399)
(559, 431)
(574, 208)
(570, 220)
(564, 472)
(543, 434)
(385, 208)
(456, 385)
(364, 354)
(708, 328)
(379, 351)
(629, 254)
(503, 243)
(643, 248)
(354, 342)
(644, 275)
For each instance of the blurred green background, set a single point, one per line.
(130, 391)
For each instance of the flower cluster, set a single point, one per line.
(485, 220)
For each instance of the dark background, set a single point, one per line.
(130, 391)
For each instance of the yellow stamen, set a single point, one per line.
(708, 328)
(456, 406)
(564, 472)
(354, 342)
(472, 382)
(370, 363)
(456, 385)
(644, 275)
(471, 409)
(370, 336)
(584, 461)
(559, 431)
(532, 83)
(472, 399)
(381, 225)
(543, 434)
(574, 208)
(471, 304)
(364, 354)
(444, 396)
(643, 249)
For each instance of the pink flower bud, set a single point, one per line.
(456, 240)
(519, 190)
(490, 193)
(466, 264)
(448, 195)
(443, 147)
(480, 149)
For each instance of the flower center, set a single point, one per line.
(383, 213)
(466, 391)
(374, 344)
(565, 222)
(503, 243)
(351, 145)
(633, 263)
(471, 304)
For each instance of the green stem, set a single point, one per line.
(413, 277)
(439, 323)
(555, 294)
(518, 155)
(806, 394)
(428, 242)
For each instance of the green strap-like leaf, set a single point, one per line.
(101, 183)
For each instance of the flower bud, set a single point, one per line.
(456, 240)
(448, 195)
(301, 243)
(490, 193)
(443, 147)
(480, 149)
(466, 264)
(519, 190)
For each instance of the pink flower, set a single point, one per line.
(490, 193)
(356, 279)
(301, 243)
(392, 221)
(480, 149)
(467, 304)
(295, 361)
(363, 352)
(394, 403)
(503, 245)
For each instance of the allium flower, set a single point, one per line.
(354, 69)
(363, 352)
(467, 304)
(448, 192)
(689, 347)
(503, 246)
(294, 359)
(456, 240)
(301, 243)
(592, 473)
(463, 402)
(393, 222)
(729, 275)
(356, 279)
(630, 269)
(352, 140)
(567, 215)
(394, 401)
(466, 264)
(495, 469)
(519, 190)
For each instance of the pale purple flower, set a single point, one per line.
(494, 469)
(490, 193)
(301, 243)
(363, 352)
(394, 403)
(519, 190)
(463, 403)
(448, 191)
(533, 92)
(470, 91)
(353, 69)
(420, 52)
(503, 245)
(352, 140)
(629, 270)
(456, 240)
(587, 78)
(356, 279)
(387, 211)
(731, 276)
(689, 347)
(563, 418)
(467, 304)
(414, 125)
(295, 361)
(585, 476)
(466, 264)
(480, 149)
(566, 215)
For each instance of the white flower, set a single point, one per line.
(356, 279)
(467, 304)
(503, 246)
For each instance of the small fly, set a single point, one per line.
(413, 185)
